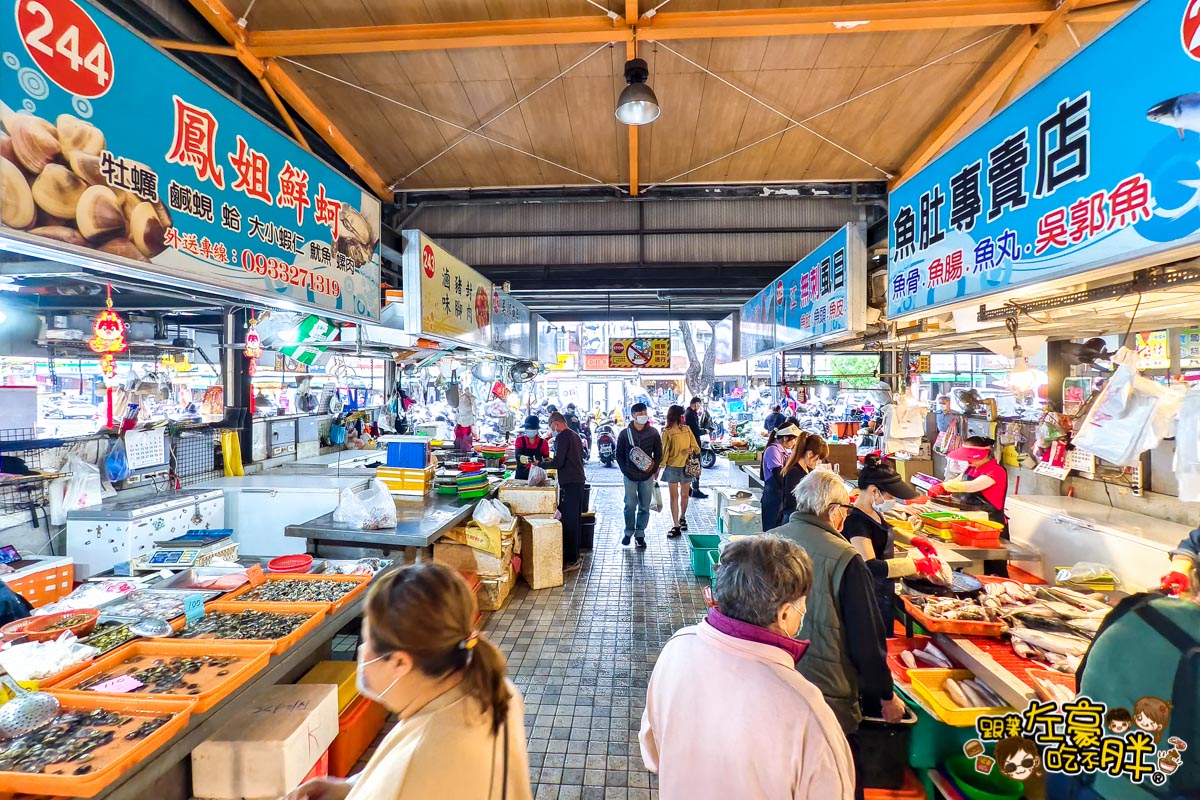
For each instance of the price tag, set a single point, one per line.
(121, 685)
(193, 607)
(255, 574)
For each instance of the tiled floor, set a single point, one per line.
(582, 653)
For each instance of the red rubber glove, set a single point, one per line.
(930, 564)
(937, 490)
(1175, 583)
(925, 546)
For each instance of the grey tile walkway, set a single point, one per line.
(582, 653)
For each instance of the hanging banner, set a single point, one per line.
(511, 325)
(311, 334)
(122, 157)
(642, 353)
(824, 296)
(1094, 167)
(758, 323)
(455, 300)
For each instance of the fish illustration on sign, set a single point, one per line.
(1181, 113)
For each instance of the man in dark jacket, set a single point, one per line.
(692, 418)
(568, 461)
(846, 657)
(774, 419)
(639, 483)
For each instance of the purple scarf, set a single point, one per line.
(752, 633)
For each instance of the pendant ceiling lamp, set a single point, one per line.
(637, 104)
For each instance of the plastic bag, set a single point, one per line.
(1187, 447)
(374, 509)
(537, 476)
(486, 514)
(116, 463)
(1118, 426)
(656, 503)
(81, 489)
(1085, 571)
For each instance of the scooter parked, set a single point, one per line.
(606, 442)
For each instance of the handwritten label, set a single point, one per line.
(255, 574)
(193, 607)
(120, 685)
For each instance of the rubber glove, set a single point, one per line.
(1175, 583)
(524, 459)
(928, 563)
(937, 490)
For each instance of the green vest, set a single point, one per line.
(826, 663)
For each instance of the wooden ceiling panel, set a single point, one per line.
(590, 103)
(679, 96)
(478, 64)
(987, 43)
(489, 98)
(549, 126)
(474, 155)
(663, 61)
(425, 66)
(596, 64)
(735, 55)
(455, 10)
(529, 63)
(792, 52)
(906, 49)
(922, 106)
(718, 124)
(782, 89)
(395, 12)
(851, 51)
(518, 9)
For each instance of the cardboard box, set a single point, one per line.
(467, 559)
(845, 456)
(910, 468)
(524, 499)
(493, 594)
(268, 748)
(541, 552)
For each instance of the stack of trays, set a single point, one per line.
(472, 482)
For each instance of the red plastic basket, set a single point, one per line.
(974, 533)
(296, 564)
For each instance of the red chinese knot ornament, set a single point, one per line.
(108, 338)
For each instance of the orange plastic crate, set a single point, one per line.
(357, 728)
(319, 770)
(106, 765)
(974, 533)
(912, 789)
(253, 657)
(338, 605)
(962, 627)
(42, 587)
(316, 610)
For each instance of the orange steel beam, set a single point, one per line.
(969, 104)
(631, 18)
(224, 23)
(283, 112)
(853, 18)
(594, 29)
(195, 47)
(1048, 29)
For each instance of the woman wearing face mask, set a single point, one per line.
(727, 714)
(790, 455)
(530, 448)
(846, 657)
(461, 731)
(982, 487)
(879, 487)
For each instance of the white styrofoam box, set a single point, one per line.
(18, 408)
(1066, 530)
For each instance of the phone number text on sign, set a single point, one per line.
(65, 43)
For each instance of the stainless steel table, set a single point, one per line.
(420, 521)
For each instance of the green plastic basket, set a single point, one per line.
(714, 562)
(701, 544)
(977, 786)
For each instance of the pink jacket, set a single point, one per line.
(726, 717)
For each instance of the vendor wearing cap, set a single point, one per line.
(879, 487)
(982, 487)
(530, 448)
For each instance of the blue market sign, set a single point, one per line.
(1096, 166)
(820, 298)
(118, 155)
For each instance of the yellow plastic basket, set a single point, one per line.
(927, 684)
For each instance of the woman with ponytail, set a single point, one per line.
(461, 731)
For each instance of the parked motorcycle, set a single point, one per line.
(606, 442)
(708, 456)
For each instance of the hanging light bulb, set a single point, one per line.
(1021, 377)
(637, 104)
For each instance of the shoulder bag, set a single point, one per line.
(637, 456)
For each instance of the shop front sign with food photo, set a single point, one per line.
(1096, 166)
(114, 152)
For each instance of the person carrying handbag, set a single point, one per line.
(679, 447)
(639, 455)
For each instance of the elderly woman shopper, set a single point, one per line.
(461, 731)
(846, 656)
(727, 714)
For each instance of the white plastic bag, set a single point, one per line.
(1187, 447)
(486, 514)
(374, 509)
(656, 503)
(537, 476)
(83, 489)
(1118, 426)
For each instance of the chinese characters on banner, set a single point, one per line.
(1153, 349)
(1093, 167)
(821, 298)
(182, 182)
(1081, 737)
(643, 353)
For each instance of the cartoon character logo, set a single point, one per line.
(1018, 758)
(1151, 715)
(1169, 761)
(1118, 720)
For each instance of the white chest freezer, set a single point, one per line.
(1067, 530)
(121, 529)
(259, 507)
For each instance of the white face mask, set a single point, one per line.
(885, 506)
(799, 627)
(360, 681)
(641, 419)
(531, 434)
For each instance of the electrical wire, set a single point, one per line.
(801, 123)
(501, 114)
(1132, 317)
(444, 121)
